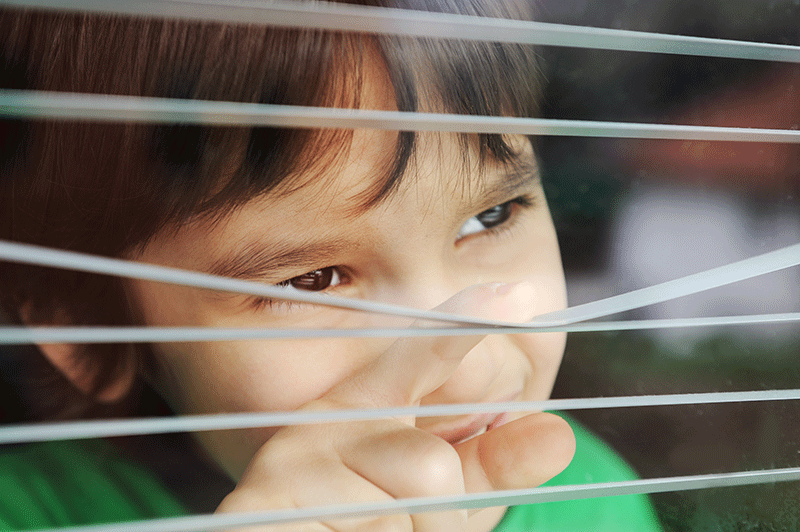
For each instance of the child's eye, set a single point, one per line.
(491, 218)
(314, 281)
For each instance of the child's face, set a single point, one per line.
(447, 227)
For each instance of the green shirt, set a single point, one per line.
(58, 484)
(594, 461)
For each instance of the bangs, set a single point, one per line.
(130, 180)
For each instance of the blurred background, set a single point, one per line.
(631, 213)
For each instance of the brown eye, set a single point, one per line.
(314, 281)
(496, 215)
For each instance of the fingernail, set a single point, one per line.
(506, 288)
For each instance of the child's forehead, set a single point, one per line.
(442, 165)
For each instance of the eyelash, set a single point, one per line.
(283, 305)
(274, 305)
(520, 203)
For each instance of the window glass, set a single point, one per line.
(632, 213)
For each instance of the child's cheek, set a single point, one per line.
(544, 352)
(284, 375)
(275, 376)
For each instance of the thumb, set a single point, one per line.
(413, 367)
(521, 454)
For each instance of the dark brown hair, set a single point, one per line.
(106, 188)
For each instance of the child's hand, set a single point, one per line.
(314, 465)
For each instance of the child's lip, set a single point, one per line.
(474, 425)
(466, 431)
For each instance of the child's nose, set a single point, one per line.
(476, 376)
(421, 288)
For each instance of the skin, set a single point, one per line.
(456, 235)
(420, 247)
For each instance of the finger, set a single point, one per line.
(521, 454)
(313, 482)
(408, 462)
(413, 367)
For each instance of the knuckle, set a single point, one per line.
(267, 463)
(438, 469)
(250, 500)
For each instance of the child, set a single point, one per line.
(453, 222)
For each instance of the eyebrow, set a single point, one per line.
(261, 261)
(265, 261)
(511, 182)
